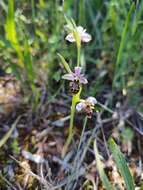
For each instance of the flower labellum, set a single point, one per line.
(83, 35)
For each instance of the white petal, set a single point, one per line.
(85, 37)
(70, 37)
(80, 29)
(80, 106)
(83, 80)
(92, 100)
(68, 76)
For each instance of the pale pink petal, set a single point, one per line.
(83, 80)
(68, 76)
(84, 30)
(92, 100)
(85, 37)
(70, 37)
(80, 30)
(80, 106)
(77, 71)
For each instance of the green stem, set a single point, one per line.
(33, 13)
(78, 55)
(75, 100)
(68, 141)
(72, 116)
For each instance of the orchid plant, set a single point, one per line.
(77, 79)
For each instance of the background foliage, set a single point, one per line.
(32, 33)
(41, 24)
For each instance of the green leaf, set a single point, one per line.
(70, 24)
(122, 44)
(8, 134)
(65, 64)
(101, 171)
(138, 13)
(11, 34)
(121, 164)
(10, 24)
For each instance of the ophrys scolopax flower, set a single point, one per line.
(77, 80)
(83, 35)
(86, 106)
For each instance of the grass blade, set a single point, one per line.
(11, 34)
(28, 63)
(8, 134)
(122, 44)
(121, 164)
(100, 169)
(138, 13)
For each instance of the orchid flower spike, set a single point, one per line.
(83, 35)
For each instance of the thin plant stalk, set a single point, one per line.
(83, 130)
(78, 44)
(78, 55)
(80, 142)
(68, 141)
(104, 139)
(75, 99)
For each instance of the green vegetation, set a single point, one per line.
(48, 125)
